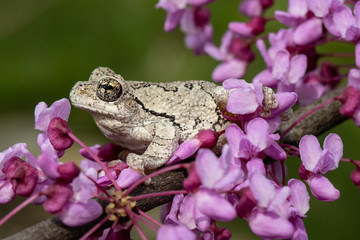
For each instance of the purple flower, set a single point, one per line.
(339, 19)
(350, 97)
(128, 177)
(254, 8)
(77, 214)
(269, 218)
(256, 139)
(184, 211)
(316, 161)
(234, 53)
(80, 208)
(17, 176)
(296, 13)
(254, 27)
(195, 24)
(245, 98)
(175, 232)
(44, 114)
(48, 162)
(204, 139)
(216, 176)
(175, 10)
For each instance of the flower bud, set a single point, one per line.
(355, 177)
(68, 171)
(58, 134)
(246, 203)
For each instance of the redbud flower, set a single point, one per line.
(17, 176)
(234, 57)
(254, 27)
(204, 139)
(316, 161)
(175, 232)
(128, 177)
(269, 219)
(216, 175)
(44, 114)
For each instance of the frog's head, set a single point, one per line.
(104, 95)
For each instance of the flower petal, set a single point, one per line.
(175, 232)
(208, 168)
(322, 189)
(233, 135)
(307, 32)
(334, 144)
(242, 101)
(270, 225)
(230, 69)
(127, 177)
(213, 205)
(262, 189)
(77, 214)
(299, 197)
(310, 151)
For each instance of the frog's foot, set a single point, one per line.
(164, 143)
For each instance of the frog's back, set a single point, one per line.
(190, 106)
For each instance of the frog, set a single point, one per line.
(151, 119)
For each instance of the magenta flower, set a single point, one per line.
(269, 219)
(250, 144)
(204, 139)
(350, 97)
(316, 161)
(254, 8)
(175, 10)
(234, 52)
(80, 207)
(175, 232)
(339, 19)
(250, 29)
(295, 14)
(128, 177)
(17, 176)
(245, 98)
(195, 23)
(44, 114)
(216, 176)
(184, 211)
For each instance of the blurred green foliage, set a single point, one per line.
(48, 45)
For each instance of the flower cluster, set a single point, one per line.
(248, 178)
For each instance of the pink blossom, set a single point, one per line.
(316, 161)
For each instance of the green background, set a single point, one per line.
(46, 46)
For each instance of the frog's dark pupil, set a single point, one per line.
(107, 87)
(109, 90)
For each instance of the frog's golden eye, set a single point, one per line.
(109, 89)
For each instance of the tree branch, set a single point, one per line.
(317, 123)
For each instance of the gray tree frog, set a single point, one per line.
(151, 119)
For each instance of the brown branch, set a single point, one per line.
(317, 123)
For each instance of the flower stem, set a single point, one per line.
(18, 208)
(106, 170)
(149, 217)
(305, 115)
(131, 216)
(95, 227)
(160, 171)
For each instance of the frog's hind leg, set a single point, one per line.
(164, 143)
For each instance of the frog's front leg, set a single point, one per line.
(164, 143)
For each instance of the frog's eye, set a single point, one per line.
(109, 89)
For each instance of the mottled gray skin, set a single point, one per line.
(152, 118)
